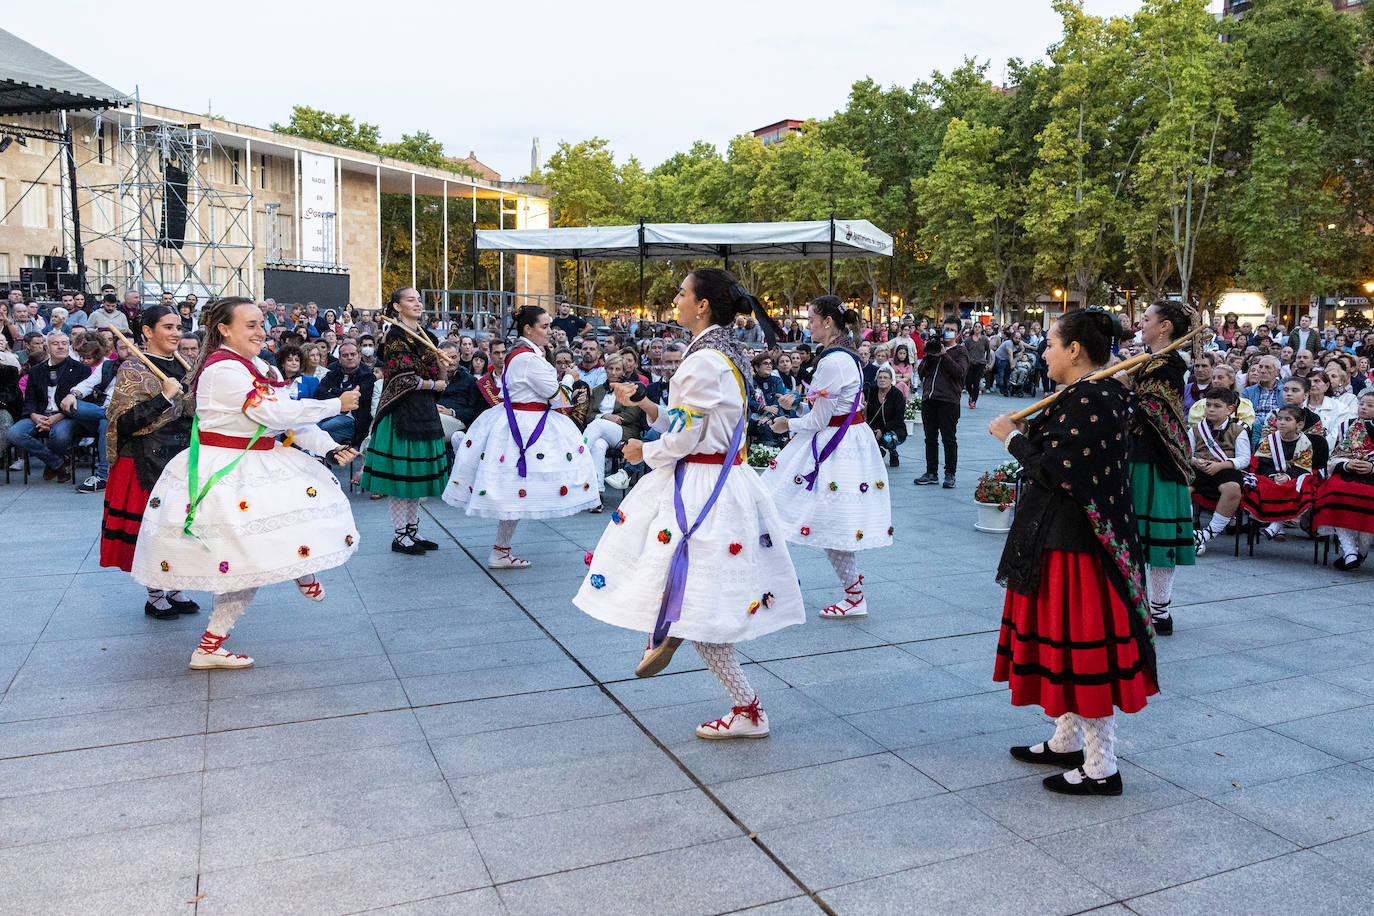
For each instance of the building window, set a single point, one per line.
(4, 209)
(5, 268)
(33, 261)
(35, 207)
(262, 172)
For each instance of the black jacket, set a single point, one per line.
(888, 416)
(338, 380)
(462, 396)
(67, 374)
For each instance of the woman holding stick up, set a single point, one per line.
(1160, 457)
(405, 458)
(1076, 636)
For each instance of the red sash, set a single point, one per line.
(713, 458)
(838, 420)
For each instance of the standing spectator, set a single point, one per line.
(45, 432)
(189, 349)
(979, 354)
(569, 323)
(942, 375)
(1008, 352)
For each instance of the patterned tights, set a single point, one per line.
(229, 607)
(1161, 589)
(405, 516)
(1097, 738)
(505, 530)
(845, 564)
(720, 658)
(1352, 542)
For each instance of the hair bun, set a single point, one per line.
(851, 318)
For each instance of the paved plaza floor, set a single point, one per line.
(435, 738)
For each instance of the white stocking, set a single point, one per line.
(1067, 737)
(404, 514)
(1353, 542)
(720, 658)
(845, 564)
(1161, 588)
(1099, 746)
(505, 530)
(158, 598)
(229, 607)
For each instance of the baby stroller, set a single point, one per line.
(1021, 381)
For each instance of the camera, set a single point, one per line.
(935, 346)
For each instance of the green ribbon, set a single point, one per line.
(198, 494)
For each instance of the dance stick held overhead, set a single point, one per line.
(162, 377)
(1130, 365)
(421, 338)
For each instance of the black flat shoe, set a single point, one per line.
(1109, 786)
(153, 610)
(1065, 760)
(1164, 626)
(424, 544)
(184, 605)
(1343, 564)
(414, 550)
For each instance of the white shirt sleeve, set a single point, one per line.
(314, 440)
(1242, 459)
(229, 386)
(697, 390)
(83, 388)
(831, 376)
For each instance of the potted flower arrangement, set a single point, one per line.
(995, 497)
(763, 457)
(913, 413)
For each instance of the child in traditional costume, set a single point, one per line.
(405, 456)
(829, 483)
(149, 422)
(1279, 486)
(1160, 469)
(239, 510)
(697, 550)
(1345, 500)
(1076, 637)
(1221, 452)
(523, 459)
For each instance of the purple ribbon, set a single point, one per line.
(670, 608)
(514, 425)
(834, 442)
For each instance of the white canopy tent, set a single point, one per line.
(824, 238)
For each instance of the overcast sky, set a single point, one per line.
(489, 77)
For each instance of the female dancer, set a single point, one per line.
(737, 582)
(523, 459)
(1076, 637)
(405, 458)
(149, 422)
(829, 483)
(238, 510)
(1160, 468)
(1345, 503)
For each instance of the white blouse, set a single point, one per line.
(704, 408)
(229, 403)
(529, 376)
(838, 377)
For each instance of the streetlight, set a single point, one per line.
(1369, 287)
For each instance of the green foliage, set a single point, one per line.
(327, 127)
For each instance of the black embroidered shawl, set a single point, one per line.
(405, 362)
(1078, 446)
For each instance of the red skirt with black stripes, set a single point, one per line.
(1268, 501)
(1069, 647)
(1345, 501)
(125, 501)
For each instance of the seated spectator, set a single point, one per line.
(45, 432)
(591, 368)
(109, 315)
(1199, 380)
(902, 369)
(298, 386)
(11, 397)
(35, 350)
(189, 349)
(1279, 486)
(606, 422)
(1339, 377)
(315, 359)
(1295, 394)
(86, 404)
(885, 413)
(1333, 413)
(1221, 452)
(352, 427)
(770, 400)
(1345, 500)
(1223, 376)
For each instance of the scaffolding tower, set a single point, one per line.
(170, 170)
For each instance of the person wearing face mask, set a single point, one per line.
(942, 374)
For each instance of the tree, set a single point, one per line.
(327, 127)
(1086, 151)
(1183, 82)
(1283, 212)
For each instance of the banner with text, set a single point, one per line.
(318, 213)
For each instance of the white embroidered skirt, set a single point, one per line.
(559, 480)
(849, 508)
(277, 515)
(740, 582)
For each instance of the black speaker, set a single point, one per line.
(173, 207)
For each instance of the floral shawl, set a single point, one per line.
(717, 338)
(1078, 445)
(133, 384)
(1302, 453)
(1157, 413)
(405, 363)
(1356, 442)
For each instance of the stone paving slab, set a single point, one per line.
(437, 738)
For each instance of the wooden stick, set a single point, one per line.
(152, 367)
(421, 338)
(184, 364)
(1130, 365)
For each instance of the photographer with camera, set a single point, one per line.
(942, 373)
